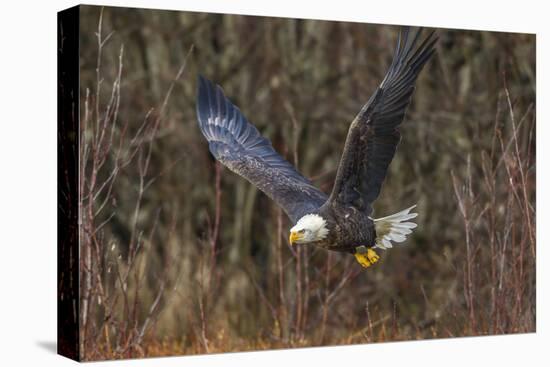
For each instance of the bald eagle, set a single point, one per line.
(341, 221)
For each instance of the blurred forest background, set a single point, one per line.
(181, 256)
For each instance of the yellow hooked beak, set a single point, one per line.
(294, 236)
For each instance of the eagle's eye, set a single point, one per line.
(302, 231)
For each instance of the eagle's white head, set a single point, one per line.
(309, 228)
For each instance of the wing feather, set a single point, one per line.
(237, 144)
(373, 136)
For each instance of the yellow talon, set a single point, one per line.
(363, 260)
(367, 259)
(372, 255)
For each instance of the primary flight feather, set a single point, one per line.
(341, 221)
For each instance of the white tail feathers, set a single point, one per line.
(394, 228)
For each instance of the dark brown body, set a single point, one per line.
(348, 228)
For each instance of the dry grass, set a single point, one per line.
(179, 256)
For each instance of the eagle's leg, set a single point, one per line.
(366, 256)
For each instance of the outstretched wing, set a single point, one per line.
(239, 146)
(373, 136)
